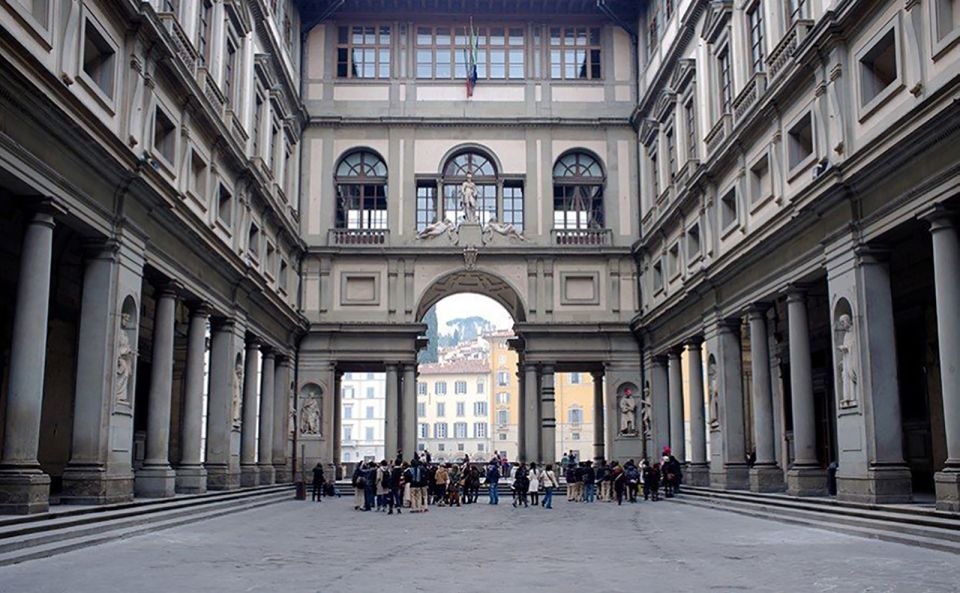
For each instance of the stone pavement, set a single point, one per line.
(661, 547)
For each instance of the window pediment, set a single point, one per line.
(684, 72)
(648, 131)
(716, 19)
(663, 108)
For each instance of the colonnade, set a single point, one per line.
(100, 467)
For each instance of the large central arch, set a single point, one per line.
(477, 281)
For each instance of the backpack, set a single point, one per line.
(633, 476)
(386, 481)
(361, 482)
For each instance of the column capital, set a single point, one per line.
(169, 289)
(267, 351)
(199, 308)
(796, 293)
(223, 323)
(758, 310)
(872, 254)
(658, 360)
(597, 376)
(730, 325)
(252, 342)
(693, 342)
(105, 249)
(391, 365)
(939, 216)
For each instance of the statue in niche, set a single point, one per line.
(237, 399)
(847, 359)
(435, 229)
(627, 406)
(504, 229)
(468, 200)
(125, 358)
(646, 416)
(310, 415)
(292, 418)
(714, 395)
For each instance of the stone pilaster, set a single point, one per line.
(660, 406)
(281, 420)
(598, 416)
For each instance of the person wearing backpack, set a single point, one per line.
(396, 486)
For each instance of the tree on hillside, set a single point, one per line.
(429, 354)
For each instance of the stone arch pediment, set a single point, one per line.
(478, 281)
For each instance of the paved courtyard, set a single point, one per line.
(648, 547)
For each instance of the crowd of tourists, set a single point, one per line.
(391, 486)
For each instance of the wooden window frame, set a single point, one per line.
(460, 43)
(378, 46)
(563, 47)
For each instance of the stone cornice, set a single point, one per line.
(489, 122)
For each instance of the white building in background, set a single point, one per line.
(363, 414)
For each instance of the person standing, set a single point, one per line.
(603, 473)
(396, 487)
(440, 479)
(589, 482)
(549, 483)
(415, 477)
(535, 480)
(493, 478)
(618, 479)
(384, 498)
(359, 482)
(318, 482)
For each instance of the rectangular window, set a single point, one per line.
(574, 378)
(461, 409)
(444, 53)
(371, 392)
(653, 35)
(797, 10)
(723, 79)
(575, 416)
(800, 142)
(481, 387)
(459, 430)
(440, 430)
(503, 397)
(671, 152)
(424, 431)
(257, 122)
(253, 240)
(370, 412)
(878, 67)
(755, 18)
(225, 205)
(503, 378)
(164, 136)
(230, 70)
(760, 180)
(479, 430)
(513, 204)
(657, 276)
(693, 242)
(575, 53)
(198, 175)
(421, 388)
(348, 433)
(654, 170)
(947, 17)
(203, 32)
(368, 433)
(503, 417)
(690, 120)
(99, 59)
(426, 205)
(347, 412)
(282, 275)
(363, 51)
(480, 408)
(440, 388)
(421, 409)
(728, 209)
(441, 410)
(673, 260)
(460, 387)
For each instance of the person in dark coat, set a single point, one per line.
(396, 486)
(318, 482)
(493, 478)
(369, 486)
(589, 482)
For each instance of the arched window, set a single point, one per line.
(361, 179)
(578, 192)
(483, 173)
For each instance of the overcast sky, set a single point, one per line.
(468, 305)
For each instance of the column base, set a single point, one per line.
(731, 477)
(947, 484)
(887, 485)
(267, 475)
(281, 473)
(155, 481)
(807, 481)
(696, 474)
(191, 479)
(92, 485)
(249, 475)
(219, 477)
(24, 491)
(766, 478)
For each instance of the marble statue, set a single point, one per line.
(435, 229)
(237, 387)
(125, 358)
(507, 230)
(310, 416)
(847, 355)
(713, 394)
(646, 407)
(468, 199)
(627, 407)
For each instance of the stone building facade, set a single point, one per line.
(758, 195)
(799, 247)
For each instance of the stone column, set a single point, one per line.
(156, 478)
(678, 437)
(221, 473)
(946, 269)
(660, 406)
(599, 451)
(249, 474)
(337, 436)
(191, 475)
(765, 475)
(281, 419)
(521, 412)
(24, 487)
(805, 477)
(531, 415)
(87, 479)
(409, 409)
(548, 419)
(734, 474)
(391, 433)
(698, 473)
(265, 438)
